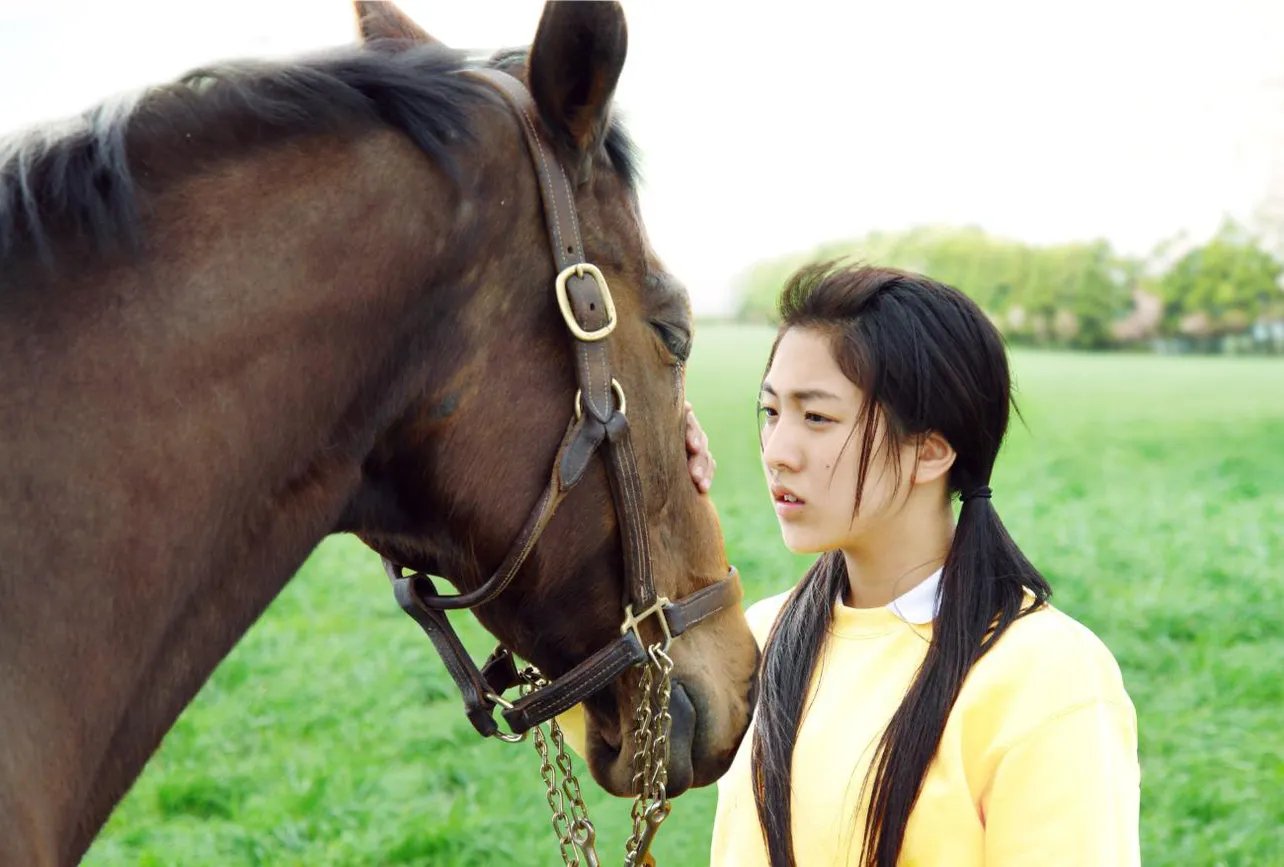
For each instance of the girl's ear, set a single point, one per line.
(935, 458)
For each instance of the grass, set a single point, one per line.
(1150, 490)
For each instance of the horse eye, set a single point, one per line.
(677, 340)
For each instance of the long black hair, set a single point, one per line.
(927, 360)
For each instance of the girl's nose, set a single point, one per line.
(780, 449)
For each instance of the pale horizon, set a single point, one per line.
(773, 130)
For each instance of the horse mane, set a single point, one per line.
(77, 181)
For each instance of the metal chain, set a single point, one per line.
(582, 830)
(651, 805)
(575, 833)
(642, 736)
(653, 723)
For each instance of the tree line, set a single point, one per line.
(1226, 294)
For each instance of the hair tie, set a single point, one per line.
(977, 493)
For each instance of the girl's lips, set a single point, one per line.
(787, 502)
(780, 493)
(786, 509)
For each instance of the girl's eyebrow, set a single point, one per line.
(802, 394)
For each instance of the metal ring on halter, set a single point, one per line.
(564, 303)
(619, 396)
(506, 705)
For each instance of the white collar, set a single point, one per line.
(919, 604)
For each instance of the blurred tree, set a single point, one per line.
(1221, 287)
(1069, 294)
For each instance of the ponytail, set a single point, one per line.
(792, 650)
(982, 591)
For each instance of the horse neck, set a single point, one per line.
(182, 433)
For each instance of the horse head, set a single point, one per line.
(540, 377)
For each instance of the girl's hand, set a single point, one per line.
(700, 463)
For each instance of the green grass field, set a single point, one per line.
(1149, 490)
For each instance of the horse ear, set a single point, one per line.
(575, 62)
(381, 19)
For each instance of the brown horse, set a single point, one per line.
(273, 301)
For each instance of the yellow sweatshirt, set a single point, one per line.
(1037, 764)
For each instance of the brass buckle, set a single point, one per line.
(564, 303)
(632, 621)
(619, 397)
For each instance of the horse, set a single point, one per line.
(272, 301)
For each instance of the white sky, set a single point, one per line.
(770, 130)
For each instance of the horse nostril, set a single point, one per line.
(611, 736)
(681, 741)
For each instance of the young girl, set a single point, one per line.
(920, 702)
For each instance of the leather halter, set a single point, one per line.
(589, 312)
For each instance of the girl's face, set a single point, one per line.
(811, 444)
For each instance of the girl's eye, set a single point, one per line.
(814, 418)
(768, 412)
